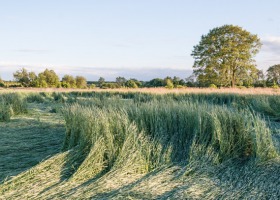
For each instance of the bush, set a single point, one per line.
(180, 86)
(212, 86)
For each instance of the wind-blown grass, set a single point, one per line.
(143, 146)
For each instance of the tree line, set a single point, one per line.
(49, 78)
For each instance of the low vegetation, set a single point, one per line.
(129, 145)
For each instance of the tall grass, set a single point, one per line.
(11, 104)
(142, 136)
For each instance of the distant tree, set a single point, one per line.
(101, 80)
(156, 82)
(176, 80)
(22, 77)
(110, 85)
(273, 74)
(48, 78)
(32, 79)
(81, 82)
(191, 81)
(260, 80)
(41, 81)
(169, 84)
(2, 83)
(68, 81)
(248, 78)
(120, 81)
(137, 82)
(224, 55)
(131, 84)
(168, 80)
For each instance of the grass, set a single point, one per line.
(252, 91)
(142, 146)
(28, 139)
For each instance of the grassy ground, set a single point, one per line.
(28, 139)
(37, 168)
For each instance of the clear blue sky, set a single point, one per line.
(132, 38)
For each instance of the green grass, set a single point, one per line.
(142, 146)
(28, 139)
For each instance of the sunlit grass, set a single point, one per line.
(141, 146)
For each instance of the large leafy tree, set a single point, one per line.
(225, 56)
(273, 74)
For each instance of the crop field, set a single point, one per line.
(140, 145)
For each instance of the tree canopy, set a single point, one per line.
(225, 56)
(273, 74)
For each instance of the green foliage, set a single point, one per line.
(2, 83)
(81, 82)
(101, 80)
(120, 81)
(224, 56)
(212, 86)
(147, 135)
(48, 78)
(11, 104)
(273, 74)
(131, 84)
(6, 112)
(275, 86)
(110, 85)
(92, 86)
(134, 141)
(68, 81)
(169, 84)
(35, 97)
(22, 77)
(157, 82)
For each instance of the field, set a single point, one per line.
(140, 144)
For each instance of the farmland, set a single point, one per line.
(140, 144)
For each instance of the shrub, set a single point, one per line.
(212, 86)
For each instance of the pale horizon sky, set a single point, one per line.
(136, 39)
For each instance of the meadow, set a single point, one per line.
(140, 144)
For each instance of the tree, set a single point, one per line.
(131, 84)
(120, 81)
(2, 83)
(224, 55)
(22, 77)
(68, 81)
(260, 80)
(156, 82)
(169, 84)
(101, 80)
(48, 78)
(32, 78)
(81, 82)
(273, 74)
(138, 83)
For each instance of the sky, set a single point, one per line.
(141, 39)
